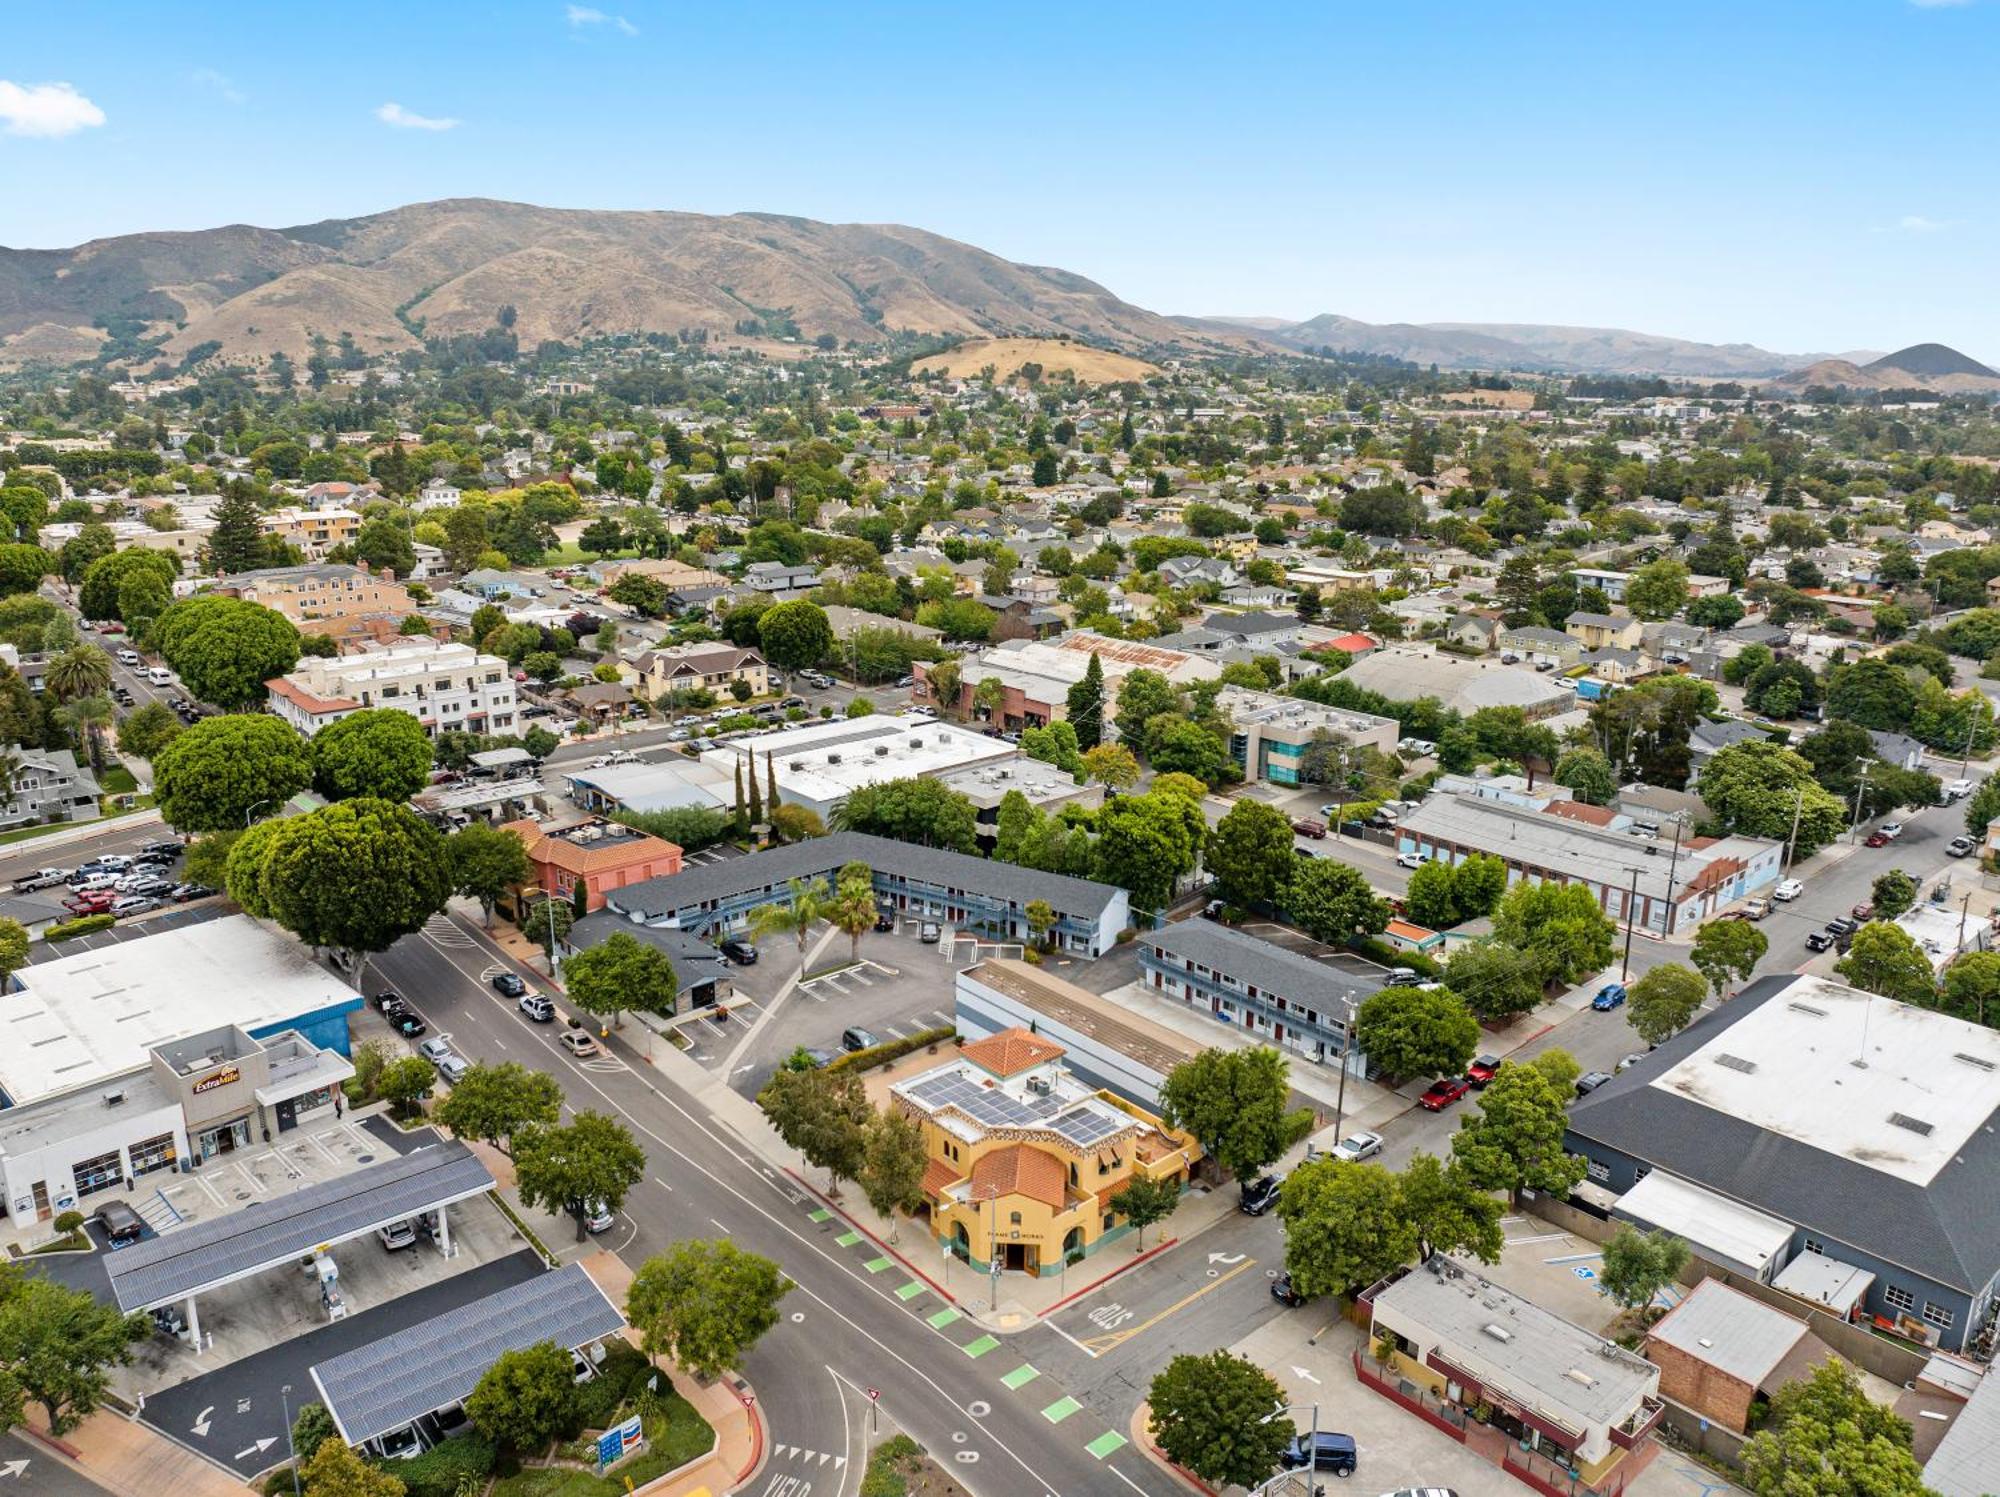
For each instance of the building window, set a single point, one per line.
(1899, 1298)
(1108, 1220)
(103, 1172)
(1937, 1315)
(1813, 1245)
(151, 1154)
(1014, 1219)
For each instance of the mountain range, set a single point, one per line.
(390, 280)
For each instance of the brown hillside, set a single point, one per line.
(1091, 366)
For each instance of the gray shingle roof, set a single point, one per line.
(422, 1368)
(269, 1233)
(1260, 963)
(823, 857)
(1948, 1231)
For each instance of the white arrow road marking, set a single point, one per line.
(1225, 1257)
(258, 1449)
(1301, 1372)
(12, 1468)
(824, 1456)
(201, 1421)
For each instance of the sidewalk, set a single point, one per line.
(126, 1457)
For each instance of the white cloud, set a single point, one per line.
(584, 15)
(1916, 223)
(46, 110)
(403, 119)
(218, 84)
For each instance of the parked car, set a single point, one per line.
(1283, 1292)
(1422, 747)
(435, 1050)
(1876, 839)
(1401, 977)
(1787, 890)
(41, 878)
(1819, 940)
(536, 1007)
(128, 657)
(858, 1038)
(1443, 1092)
(1325, 1451)
(1590, 1081)
(152, 886)
(1960, 847)
(1305, 826)
(1410, 860)
(387, 999)
(1626, 1062)
(109, 862)
(397, 1236)
(597, 1217)
(1755, 909)
(1357, 1147)
(578, 1042)
(90, 902)
(133, 904)
(740, 951)
(185, 893)
(930, 932)
(1841, 925)
(508, 985)
(1891, 829)
(166, 849)
(405, 1021)
(453, 1068)
(1609, 997)
(119, 1222)
(1863, 911)
(1482, 1070)
(1259, 1195)
(885, 920)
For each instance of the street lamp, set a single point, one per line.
(251, 810)
(1312, 1450)
(291, 1448)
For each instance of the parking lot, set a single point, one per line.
(900, 987)
(173, 917)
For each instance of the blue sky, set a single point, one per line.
(1806, 176)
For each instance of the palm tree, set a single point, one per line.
(853, 906)
(808, 903)
(80, 671)
(91, 715)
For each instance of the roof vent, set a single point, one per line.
(1975, 1060)
(1579, 1376)
(1915, 1125)
(1497, 1332)
(114, 1099)
(1807, 1008)
(881, 750)
(1737, 1063)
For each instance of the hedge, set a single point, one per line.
(888, 1050)
(1389, 956)
(84, 925)
(443, 1470)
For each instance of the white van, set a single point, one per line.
(128, 657)
(159, 675)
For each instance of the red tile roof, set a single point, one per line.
(1020, 1170)
(1576, 810)
(1011, 1052)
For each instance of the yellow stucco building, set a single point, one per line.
(1024, 1158)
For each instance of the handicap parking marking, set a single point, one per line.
(1108, 1443)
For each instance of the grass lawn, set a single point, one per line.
(675, 1435)
(117, 780)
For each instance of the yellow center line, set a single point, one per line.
(1111, 1339)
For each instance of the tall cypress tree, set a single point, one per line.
(756, 795)
(1086, 706)
(237, 542)
(742, 824)
(771, 786)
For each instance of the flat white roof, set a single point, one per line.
(829, 761)
(1738, 1233)
(85, 1018)
(1891, 1087)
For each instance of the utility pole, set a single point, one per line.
(1631, 915)
(1680, 820)
(1792, 842)
(1860, 789)
(1346, 1049)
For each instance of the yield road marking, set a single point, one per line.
(1119, 1338)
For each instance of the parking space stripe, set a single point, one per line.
(980, 1347)
(910, 1290)
(1107, 1443)
(1061, 1409)
(1020, 1377)
(943, 1318)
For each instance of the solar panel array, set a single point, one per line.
(1080, 1123)
(267, 1233)
(422, 1368)
(1086, 1126)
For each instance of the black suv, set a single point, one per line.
(740, 952)
(1260, 1196)
(1324, 1452)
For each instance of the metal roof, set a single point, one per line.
(425, 1367)
(1255, 962)
(268, 1234)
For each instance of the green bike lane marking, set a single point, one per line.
(911, 1290)
(1020, 1377)
(1106, 1443)
(1061, 1409)
(980, 1347)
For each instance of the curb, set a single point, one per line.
(805, 1185)
(1141, 1427)
(757, 1445)
(1152, 1252)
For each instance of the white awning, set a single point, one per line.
(1825, 1281)
(1723, 1231)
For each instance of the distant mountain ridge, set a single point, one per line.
(1930, 367)
(1931, 361)
(570, 274)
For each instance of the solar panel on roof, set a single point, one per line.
(1086, 1126)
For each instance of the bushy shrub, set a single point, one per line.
(443, 1470)
(83, 926)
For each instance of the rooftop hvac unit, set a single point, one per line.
(797, 764)
(1498, 1332)
(833, 758)
(881, 750)
(114, 1099)
(1039, 1085)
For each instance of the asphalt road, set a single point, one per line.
(28, 1470)
(1001, 1428)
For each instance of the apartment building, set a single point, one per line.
(344, 603)
(1271, 734)
(713, 667)
(313, 531)
(445, 686)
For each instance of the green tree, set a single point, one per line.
(1085, 706)
(1758, 788)
(1872, 693)
(1176, 745)
(1449, 1212)
(1332, 902)
(1041, 917)
(1143, 1202)
(1885, 959)
(13, 947)
(380, 752)
(1111, 764)
(97, 597)
(1345, 1226)
(312, 1428)
(1250, 854)
(1146, 843)
(1664, 1002)
(1143, 695)
(621, 974)
(225, 649)
(919, 810)
(1514, 1142)
(57, 1343)
(1658, 590)
(336, 1471)
(404, 1083)
(527, 1399)
(1233, 1102)
(808, 904)
(893, 1161)
(1638, 1265)
(1726, 949)
(704, 1304)
(1211, 1415)
(1561, 927)
(601, 537)
(1589, 774)
(795, 635)
(1408, 1031)
(592, 1161)
(486, 862)
(1826, 1437)
(358, 875)
(22, 568)
(1432, 896)
(145, 732)
(495, 1102)
(1893, 892)
(823, 1114)
(237, 542)
(226, 769)
(78, 672)
(1479, 883)
(1972, 988)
